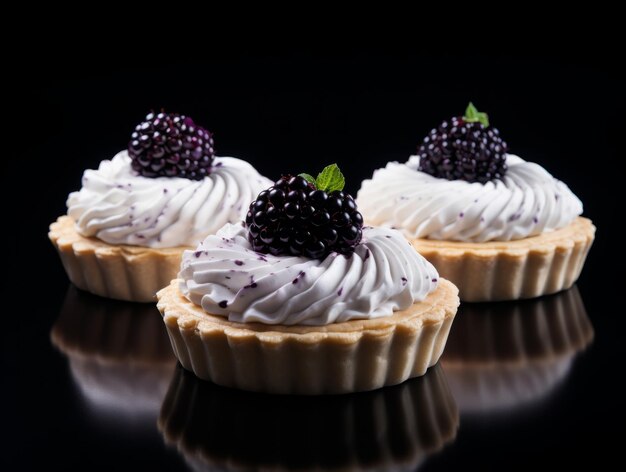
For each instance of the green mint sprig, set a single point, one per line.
(329, 180)
(472, 115)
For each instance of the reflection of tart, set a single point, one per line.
(128, 225)
(396, 427)
(498, 227)
(298, 303)
(119, 354)
(507, 354)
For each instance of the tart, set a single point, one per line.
(503, 356)
(395, 428)
(119, 355)
(497, 226)
(307, 300)
(127, 227)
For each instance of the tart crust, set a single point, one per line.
(510, 270)
(344, 357)
(123, 272)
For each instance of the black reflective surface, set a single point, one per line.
(90, 384)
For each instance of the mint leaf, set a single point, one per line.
(484, 119)
(309, 178)
(472, 115)
(330, 179)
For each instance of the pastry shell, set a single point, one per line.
(511, 270)
(337, 358)
(123, 272)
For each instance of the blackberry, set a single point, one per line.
(302, 216)
(464, 148)
(172, 145)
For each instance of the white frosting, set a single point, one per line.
(118, 206)
(227, 278)
(528, 201)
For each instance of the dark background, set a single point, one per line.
(297, 112)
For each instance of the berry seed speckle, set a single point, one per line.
(223, 304)
(239, 263)
(404, 281)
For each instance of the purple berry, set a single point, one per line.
(463, 150)
(171, 145)
(293, 217)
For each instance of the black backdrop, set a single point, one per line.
(297, 113)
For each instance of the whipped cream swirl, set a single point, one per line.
(118, 206)
(528, 201)
(227, 278)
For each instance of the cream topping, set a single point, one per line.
(227, 278)
(118, 206)
(528, 201)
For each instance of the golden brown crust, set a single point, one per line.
(341, 357)
(510, 270)
(123, 272)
